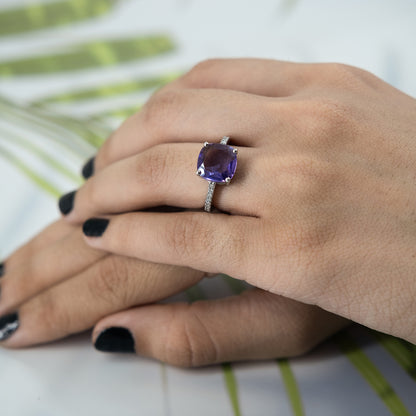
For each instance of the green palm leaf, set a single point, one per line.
(106, 91)
(120, 113)
(371, 374)
(89, 55)
(403, 352)
(195, 293)
(41, 16)
(291, 386)
(40, 181)
(232, 387)
(91, 130)
(43, 156)
(71, 142)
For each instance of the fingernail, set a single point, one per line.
(115, 339)
(88, 169)
(164, 208)
(66, 202)
(8, 325)
(1, 269)
(95, 227)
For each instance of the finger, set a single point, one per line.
(214, 243)
(165, 175)
(54, 232)
(254, 325)
(255, 77)
(267, 77)
(264, 77)
(192, 115)
(48, 267)
(108, 286)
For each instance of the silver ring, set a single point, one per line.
(217, 163)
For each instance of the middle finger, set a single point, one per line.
(189, 115)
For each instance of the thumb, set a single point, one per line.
(253, 325)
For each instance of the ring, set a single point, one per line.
(217, 163)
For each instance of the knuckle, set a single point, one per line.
(189, 342)
(327, 119)
(236, 246)
(340, 69)
(325, 122)
(55, 319)
(342, 72)
(348, 76)
(184, 235)
(307, 183)
(303, 245)
(161, 109)
(189, 238)
(307, 179)
(199, 75)
(152, 167)
(110, 276)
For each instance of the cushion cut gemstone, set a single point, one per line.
(217, 162)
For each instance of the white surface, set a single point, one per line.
(69, 377)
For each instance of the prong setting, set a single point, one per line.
(216, 164)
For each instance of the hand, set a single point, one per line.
(56, 285)
(322, 204)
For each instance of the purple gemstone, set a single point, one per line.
(217, 162)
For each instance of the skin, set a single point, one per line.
(322, 204)
(61, 286)
(322, 208)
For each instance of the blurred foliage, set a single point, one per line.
(37, 16)
(78, 138)
(89, 55)
(371, 373)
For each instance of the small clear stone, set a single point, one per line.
(217, 162)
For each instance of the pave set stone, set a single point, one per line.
(217, 162)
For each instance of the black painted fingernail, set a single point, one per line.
(66, 202)
(164, 208)
(1, 269)
(8, 325)
(95, 227)
(88, 169)
(115, 339)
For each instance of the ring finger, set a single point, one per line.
(165, 175)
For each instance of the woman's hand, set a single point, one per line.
(322, 204)
(56, 285)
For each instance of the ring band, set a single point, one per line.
(217, 163)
